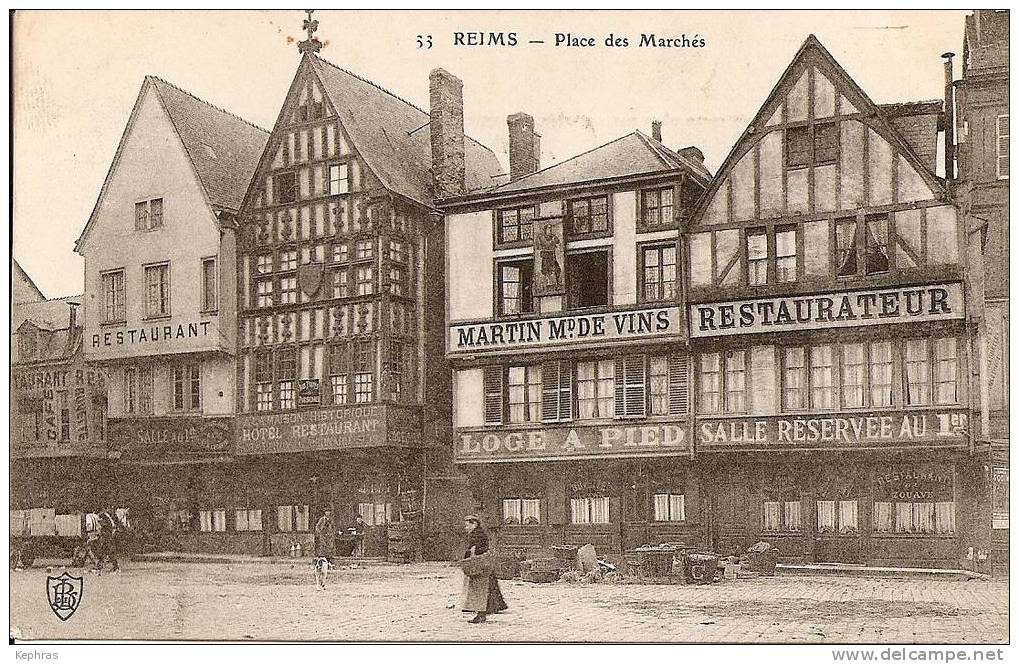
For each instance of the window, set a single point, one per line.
(364, 249)
(669, 507)
(285, 186)
(588, 215)
(917, 373)
(290, 518)
(595, 389)
(659, 275)
(946, 370)
(286, 374)
(1003, 147)
(880, 373)
(587, 279)
(862, 253)
(516, 225)
(340, 286)
(556, 391)
(157, 290)
(785, 254)
(364, 371)
(338, 181)
(589, 510)
(64, 409)
(375, 513)
(630, 386)
(341, 253)
(845, 242)
(822, 378)
(522, 511)
(837, 516)
(247, 520)
(263, 289)
(339, 385)
(516, 281)
(853, 374)
(288, 290)
(723, 382)
(396, 280)
(524, 393)
(493, 380)
(817, 145)
(212, 521)
(288, 259)
(145, 390)
(876, 245)
(656, 207)
(263, 380)
(187, 387)
(794, 379)
(781, 511)
(209, 285)
(397, 366)
(397, 252)
(757, 257)
(263, 264)
(919, 518)
(148, 214)
(130, 390)
(113, 297)
(365, 275)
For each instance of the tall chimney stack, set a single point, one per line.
(524, 145)
(656, 130)
(949, 118)
(446, 124)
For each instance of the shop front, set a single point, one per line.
(616, 486)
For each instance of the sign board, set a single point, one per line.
(329, 428)
(542, 333)
(171, 438)
(308, 393)
(579, 442)
(55, 410)
(914, 483)
(942, 427)
(828, 310)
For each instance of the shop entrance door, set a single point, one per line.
(729, 512)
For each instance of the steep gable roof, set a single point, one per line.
(20, 275)
(813, 52)
(223, 148)
(630, 155)
(392, 135)
(45, 314)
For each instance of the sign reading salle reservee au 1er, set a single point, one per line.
(912, 304)
(565, 330)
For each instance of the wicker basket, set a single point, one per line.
(479, 565)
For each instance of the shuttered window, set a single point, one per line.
(556, 391)
(679, 384)
(493, 395)
(631, 386)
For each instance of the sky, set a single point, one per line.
(76, 75)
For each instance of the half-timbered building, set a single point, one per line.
(828, 325)
(342, 387)
(567, 335)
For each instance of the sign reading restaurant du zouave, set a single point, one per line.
(563, 330)
(826, 310)
(338, 427)
(836, 431)
(572, 443)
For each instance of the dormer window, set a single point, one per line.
(148, 214)
(27, 343)
(816, 144)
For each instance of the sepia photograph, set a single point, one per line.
(477, 326)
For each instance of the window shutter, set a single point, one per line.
(550, 390)
(679, 383)
(565, 391)
(633, 398)
(493, 395)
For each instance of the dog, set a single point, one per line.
(322, 566)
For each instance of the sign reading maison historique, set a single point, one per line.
(828, 310)
(571, 443)
(332, 428)
(564, 330)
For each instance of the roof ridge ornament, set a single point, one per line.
(311, 44)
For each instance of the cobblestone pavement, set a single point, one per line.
(172, 601)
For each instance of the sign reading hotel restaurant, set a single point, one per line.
(563, 330)
(333, 428)
(836, 430)
(571, 443)
(827, 310)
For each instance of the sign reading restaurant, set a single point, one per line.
(828, 310)
(920, 428)
(571, 443)
(564, 330)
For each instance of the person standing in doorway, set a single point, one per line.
(481, 593)
(360, 528)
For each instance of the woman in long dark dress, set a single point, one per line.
(481, 593)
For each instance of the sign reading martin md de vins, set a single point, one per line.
(564, 330)
(828, 310)
(572, 443)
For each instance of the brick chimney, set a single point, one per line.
(949, 117)
(656, 130)
(447, 131)
(524, 145)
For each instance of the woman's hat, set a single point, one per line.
(473, 517)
